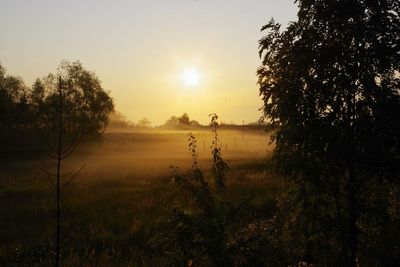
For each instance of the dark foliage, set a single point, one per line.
(331, 90)
(28, 115)
(180, 122)
(219, 167)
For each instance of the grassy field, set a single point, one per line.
(111, 209)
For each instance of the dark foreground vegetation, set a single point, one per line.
(243, 215)
(132, 221)
(331, 89)
(329, 195)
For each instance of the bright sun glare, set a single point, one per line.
(191, 77)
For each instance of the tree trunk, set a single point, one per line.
(352, 182)
(353, 237)
(58, 188)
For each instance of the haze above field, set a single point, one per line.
(141, 49)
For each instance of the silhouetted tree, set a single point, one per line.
(15, 112)
(13, 97)
(60, 150)
(119, 120)
(38, 93)
(25, 111)
(194, 123)
(145, 122)
(172, 122)
(87, 104)
(331, 91)
(184, 119)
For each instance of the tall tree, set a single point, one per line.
(331, 89)
(15, 115)
(87, 104)
(13, 100)
(58, 152)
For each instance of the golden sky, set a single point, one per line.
(141, 48)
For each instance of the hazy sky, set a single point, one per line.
(140, 48)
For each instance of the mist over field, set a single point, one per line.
(124, 191)
(200, 133)
(148, 153)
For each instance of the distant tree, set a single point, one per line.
(38, 93)
(173, 121)
(37, 102)
(144, 123)
(118, 120)
(194, 123)
(331, 89)
(184, 119)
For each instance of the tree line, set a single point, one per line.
(118, 120)
(27, 114)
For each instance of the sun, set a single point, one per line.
(191, 77)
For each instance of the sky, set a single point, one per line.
(140, 49)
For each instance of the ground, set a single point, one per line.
(124, 190)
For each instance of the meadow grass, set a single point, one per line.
(107, 219)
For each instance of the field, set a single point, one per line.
(111, 208)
